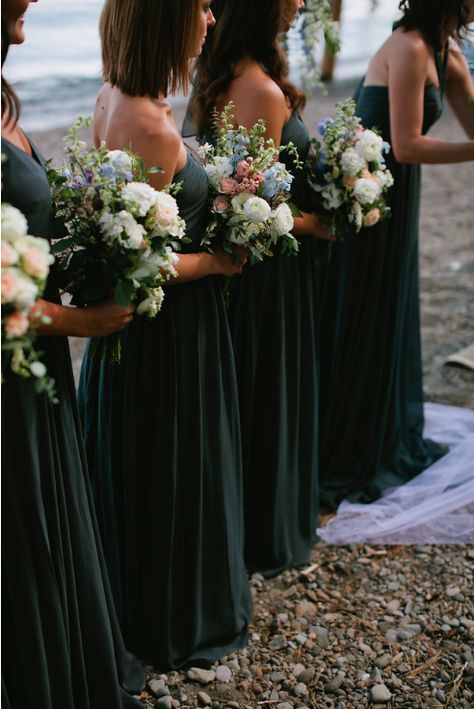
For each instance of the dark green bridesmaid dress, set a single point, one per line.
(371, 374)
(62, 647)
(273, 314)
(163, 441)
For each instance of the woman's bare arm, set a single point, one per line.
(408, 66)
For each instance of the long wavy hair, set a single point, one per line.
(431, 17)
(10, 101)
(244, 29)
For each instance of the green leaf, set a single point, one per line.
(124, 292)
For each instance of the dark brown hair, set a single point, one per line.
(147, 44)
(431, 17)
(10, 101)
(245, 28)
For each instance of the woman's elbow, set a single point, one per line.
(404, 153)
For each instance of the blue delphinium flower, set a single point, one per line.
(321, 164)
(322, 125)
(277, 179)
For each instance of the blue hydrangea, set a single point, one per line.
(321, 164)
(108, 171)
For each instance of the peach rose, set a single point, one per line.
(227, 185)
(35, 263)
(9, 287)
(349, 181)
(220, 204)
(9, 254)
(372, 217)
(16, 325)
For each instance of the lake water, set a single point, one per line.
(57, 71)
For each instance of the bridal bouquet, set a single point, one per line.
(25, 266)
(121, 234)
(249, 190)
(347, 174)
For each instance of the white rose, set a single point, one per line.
(352, 162)
(366, 190)
(14, 224)
(332, 196)
(239, 201)
(370, 146)
(166, 216)
(38, 369)
(140, 196)
(256, 209)
(32, 242)
(115, 226)
(283, 221)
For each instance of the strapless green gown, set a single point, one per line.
(62, 647)
(371, 374)
(163, 441)
(274, 314)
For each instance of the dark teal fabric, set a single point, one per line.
(62, 647)
(371, 375)
(163, 441)
(274, 316)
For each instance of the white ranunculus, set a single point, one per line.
(332, 196)
(140, 196)
(366, 190)
(256, 210)
(370, 146)
(14, 224)
(122, 227)
(352, 162)
(283, 221)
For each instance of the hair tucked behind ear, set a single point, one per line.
(431, 17)
(10, 101)
(245, 28)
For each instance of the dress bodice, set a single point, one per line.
(192, 200)
(296, 132)
(25, 185)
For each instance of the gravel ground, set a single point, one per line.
(366, 626)
(363, 626)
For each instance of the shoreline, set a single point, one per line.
(446, 250)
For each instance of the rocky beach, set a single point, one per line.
(364, 626)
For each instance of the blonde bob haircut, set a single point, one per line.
(147, 44)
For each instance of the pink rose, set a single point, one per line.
(16, 325)
(9, 287)
(9, 254)
(372, 217)
(220, 204)
(227, 185)
(35, 263)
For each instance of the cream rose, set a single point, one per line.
(16, 325)
(366, 190)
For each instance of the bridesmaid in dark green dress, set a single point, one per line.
(162, 428)
(372, 397)
(274, 307)
(62, 647)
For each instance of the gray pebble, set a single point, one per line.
(307, 675)
(164, 703)
(301, 690)
(223, 674)
(380, 694)
(197, 674)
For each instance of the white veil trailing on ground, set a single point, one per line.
(436, 507)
